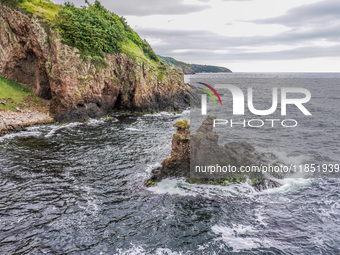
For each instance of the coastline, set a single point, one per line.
(17, 121)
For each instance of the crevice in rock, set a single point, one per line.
(43, 86)
(23, 70)
(27, 71)
(118, 103)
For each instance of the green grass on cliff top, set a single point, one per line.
(12, 93)
(43, 8)
(131, 49)
(92, 29)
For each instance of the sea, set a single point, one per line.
(78, 188)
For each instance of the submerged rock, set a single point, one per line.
(205, 150)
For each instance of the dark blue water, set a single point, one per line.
(78, 189)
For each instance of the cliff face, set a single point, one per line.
(31, 53)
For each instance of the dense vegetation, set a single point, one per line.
(96, 31)
(11, 2)
(180, 66)
(209, 69)
(44, 9)
(143, 44)
(193, 68)
(92, 29)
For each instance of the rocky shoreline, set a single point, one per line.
(17, 121)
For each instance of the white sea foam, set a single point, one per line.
(173, 187)
(182, 188)
(152, 166)
(49, 130)
(134, 250)
(139, 250)
(54, 129)
(240, 237)
(20, 134)
(166, 251)
(94, 122)
(288, 185)
(168, 114)
(134, 129)
(92, 205)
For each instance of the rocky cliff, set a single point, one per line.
(32, 53)
(178, 164)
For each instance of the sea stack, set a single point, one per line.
(204, 144)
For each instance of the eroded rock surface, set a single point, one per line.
(178, 164)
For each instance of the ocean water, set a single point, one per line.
(313, 142)
(78, 189)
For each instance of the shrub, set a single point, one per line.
(11, 2)
(93, 29)
(100, 62)
(96, 31)
(143, 44)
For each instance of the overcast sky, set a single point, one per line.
(243, 35)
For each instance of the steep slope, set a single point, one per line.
(81, 84)
(209, 69)
(178, 65)
(192, 68)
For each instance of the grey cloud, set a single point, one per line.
(207, 57)
(203, 44)
(237, 0)
(308, 24)
(58, 1)
(145, 7)
(187, 39)
(319, 14)
(152, 7)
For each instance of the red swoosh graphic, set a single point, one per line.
(212, 90)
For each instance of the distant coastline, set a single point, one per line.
(192, 68)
